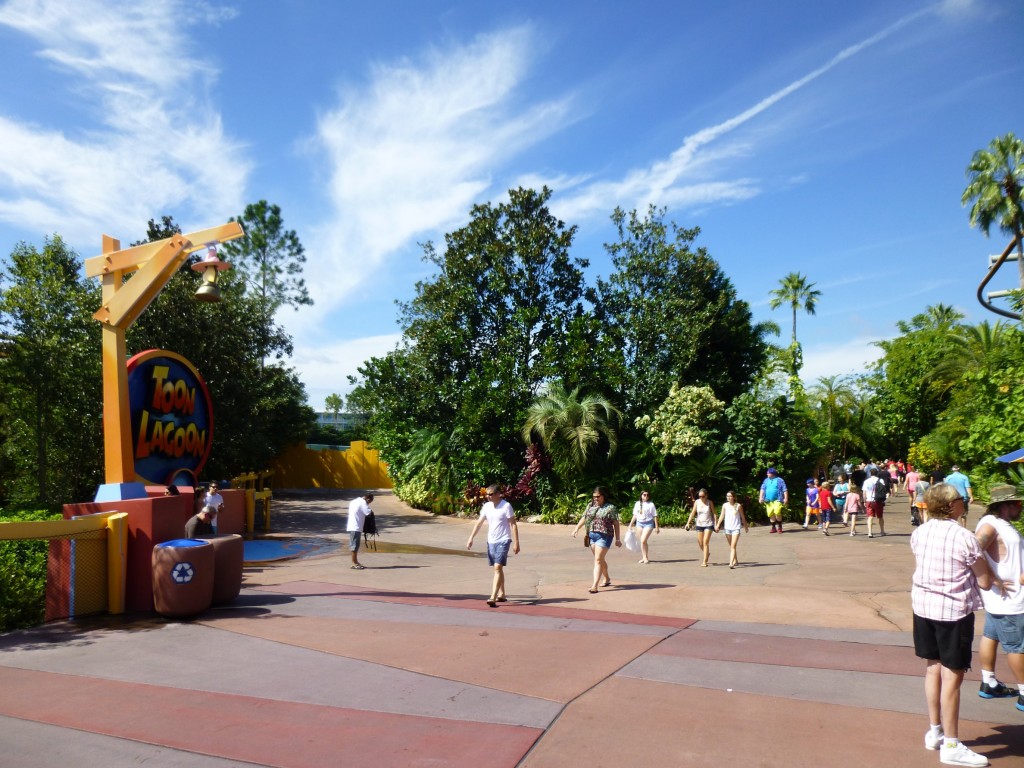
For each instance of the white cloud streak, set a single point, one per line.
(413, 149)
(151, 147)
(664, 182)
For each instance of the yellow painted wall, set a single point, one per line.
(357, 467)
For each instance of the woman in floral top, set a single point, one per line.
(602, 522)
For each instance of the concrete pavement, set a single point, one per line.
(800, 656)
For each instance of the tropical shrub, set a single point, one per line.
(23, 565)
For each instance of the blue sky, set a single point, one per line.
(821, 137)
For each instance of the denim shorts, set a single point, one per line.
(1008, 630)
(497, 553)
(646, 525)
(354, 537)
(704, 527)
(601, 540)
(732, 531)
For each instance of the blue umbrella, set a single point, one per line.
(1014, 457)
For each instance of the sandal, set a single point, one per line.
(502, 599)
(592, 591)
(358, 567)
(492, 603)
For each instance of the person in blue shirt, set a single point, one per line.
(774, 496)
(962, 483)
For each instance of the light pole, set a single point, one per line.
(124, 300)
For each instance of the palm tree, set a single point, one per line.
(996, 187)
(795, 291)
(571, 427)
(835, 397)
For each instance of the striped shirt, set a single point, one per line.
(945, 588)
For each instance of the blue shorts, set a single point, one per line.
(704, 527)
(646, 525)
(1008, 630)
(354, 537)
(497, 553)
(733, 531)
(601, 540)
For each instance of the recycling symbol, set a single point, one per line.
(182, 573)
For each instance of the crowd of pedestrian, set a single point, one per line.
(956, 573)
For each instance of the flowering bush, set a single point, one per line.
(686, 420)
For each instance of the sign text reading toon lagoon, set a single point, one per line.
(172, 417)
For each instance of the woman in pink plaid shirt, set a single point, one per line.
(944, 595)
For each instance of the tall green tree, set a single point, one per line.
(907, 391)
(995, 190)
(502, 315)
(669, 315)
(334, 404)
(834, 402)
(795, 292)
(270, 257)
(49, 376)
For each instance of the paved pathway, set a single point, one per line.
(801, 656)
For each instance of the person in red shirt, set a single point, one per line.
(827, 503)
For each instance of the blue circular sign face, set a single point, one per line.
(171, 414)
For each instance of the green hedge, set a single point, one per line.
(23, 565)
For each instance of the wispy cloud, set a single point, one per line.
(151, 145)
(677, 180)
(325, 369)
(411, 150)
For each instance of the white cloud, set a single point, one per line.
(413, 149)
(325, 369)
(677, 180)
(151, 146)
(851, 356)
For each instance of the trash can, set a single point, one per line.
(183, 573)
(228, 557)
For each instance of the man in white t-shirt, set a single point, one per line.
(215, 500)
(1004, 603)
(502, 533)
(358, 509)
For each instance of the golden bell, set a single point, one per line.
(209, 266)
(209, 291)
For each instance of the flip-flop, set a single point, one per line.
(502, 599)
(592, 591)
(492, 603)
(358, 567)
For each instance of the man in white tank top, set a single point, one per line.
(1004, 608)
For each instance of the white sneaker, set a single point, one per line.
(960, 755)
(932, 741)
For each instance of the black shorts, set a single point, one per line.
(948, 642)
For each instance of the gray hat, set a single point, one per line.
(1001, 493)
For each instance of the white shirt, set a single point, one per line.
(358, 509)
(1010, 603)
(644, 511)
(731, 521)
(214, 500)
(499, 521)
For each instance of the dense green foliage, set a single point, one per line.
(23, 565)
(49, 377)
(506, 344)
(50, 371)
(657, 377)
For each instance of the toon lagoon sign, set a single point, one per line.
(172, 417)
